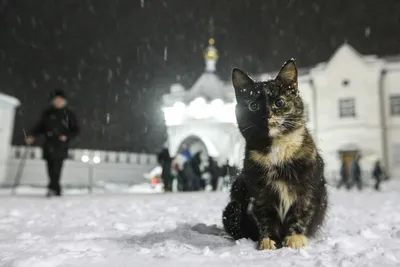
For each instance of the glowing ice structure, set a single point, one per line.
(199, 109)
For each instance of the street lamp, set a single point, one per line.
(85, 158)
(96, 159)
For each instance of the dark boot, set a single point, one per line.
(51, 193)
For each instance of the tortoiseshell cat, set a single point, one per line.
(280, 197)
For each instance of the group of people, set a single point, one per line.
(191, 173)
(353, 175)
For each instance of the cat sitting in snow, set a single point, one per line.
(280, 197)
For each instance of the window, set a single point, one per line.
(395, 105)
(347, 108)
(306, 113)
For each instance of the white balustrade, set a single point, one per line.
(106, 167)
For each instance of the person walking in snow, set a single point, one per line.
(58, 125)
(378, 175)
(165, 160)
(344, 176)
(356, 173)
(179, 163)
(196, 167)
(214, 171)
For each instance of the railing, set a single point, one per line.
(17, 152)
(83, 168)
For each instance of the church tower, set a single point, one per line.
(211, 53)
(211, 56)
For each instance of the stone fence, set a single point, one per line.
(84, 168)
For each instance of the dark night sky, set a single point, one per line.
(109, 54)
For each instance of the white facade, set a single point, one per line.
(203, 117)
(8, 105)
(351, 105)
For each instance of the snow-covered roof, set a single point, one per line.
(9, 100)
(209, 86)
(392, 59)
(302, 72)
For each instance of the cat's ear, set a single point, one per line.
(288, 74)
(241, 81)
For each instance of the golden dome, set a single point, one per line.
(211, 52)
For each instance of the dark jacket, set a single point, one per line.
(377, 172)
(165, 160)
(196, 162)
(355, 170)
(163, 157)
(54, 123)
(213, 168)
(343, 172)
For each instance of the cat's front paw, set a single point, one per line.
(296, 241)
(266, 243)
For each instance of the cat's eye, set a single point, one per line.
(253, 106)
(279, 103)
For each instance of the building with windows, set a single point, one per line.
(352, 106)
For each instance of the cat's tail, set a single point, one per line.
(237, 223)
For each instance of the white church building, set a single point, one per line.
(352, 107)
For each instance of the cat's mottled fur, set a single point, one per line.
(280, 197)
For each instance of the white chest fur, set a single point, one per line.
(286, 198)
(283, 148)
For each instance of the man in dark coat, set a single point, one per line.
(58, 125)
(196, 162)
(214, 171)
(356, 173)
(165, 160)
(344, 176)
(377, 174)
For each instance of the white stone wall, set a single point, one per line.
(7, 114)
(362, 132)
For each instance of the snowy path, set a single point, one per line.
(363, 229)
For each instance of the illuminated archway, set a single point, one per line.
(197, 143)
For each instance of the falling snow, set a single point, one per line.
(101, 50)
(110, 75)
(165, 53)
(367, 32)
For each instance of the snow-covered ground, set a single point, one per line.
(363, 229)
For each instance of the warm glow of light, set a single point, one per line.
(85, 158)
(217, 102)
(198, 108)
(179, 105)
(174, 115)
(96, 159)
(227, 113)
